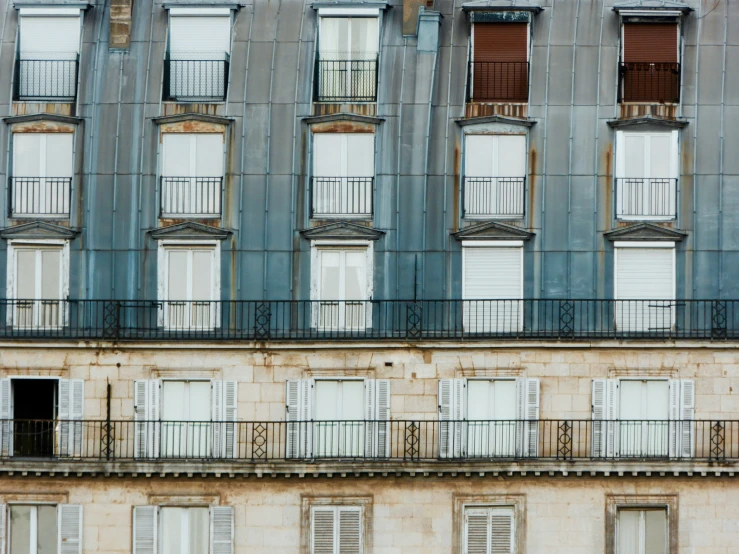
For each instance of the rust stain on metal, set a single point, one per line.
(478, 109)
(457, 184)
(212, 222)
(664, 111)
(193, 127)
(608, 172)
(357, 109)
(27, 108)
(43, 127)
(173, 108)
(343, 127)
(532, 186)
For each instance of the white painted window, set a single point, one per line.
(338, 417)
(43, 528)
(192, 174)
(342, 287)
(183, 530)
(343, 38)
(42, 174)
(336, 530)
(38, 283)
(186, 413)
(494, 175)
(344, 169)
(647, 170)
(492, 286)
(642, 531)
(488, 418)
(189, 285)
(489, 530)
(645, 286)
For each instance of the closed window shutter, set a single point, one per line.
(193, 37)
(146, 416)
(528, 415)
(501, 531)
(350, 530)
(6, 436)
(644, 274)
(499, 70)
(477, 531)
(298, 406)
(452, 394)
(77, 408)
(323, 530)
(686, 414)
(382, 388)
(3, 527)
(55, 38)
(500, 42)
(70, 529)
(221, 530)
(598, 409)
(489, 530)
(230, 414)
(650, 42)
(145, 530)
(64, 414)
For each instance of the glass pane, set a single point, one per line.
(59, 155)
(658, 400)
(50, 274)
(628, 531)
(634, 165)
(360, 155)
(478, 400)
(202, 275)
(20, 529)
(504, 400)
(171, 530)
(326, 400)
(173, 400)
(631, 400)
(199, 530)
(330, 260)
(327, 154)
(656, 532)
(176, 157)
(354, 275)
(352, 400)
(511, 156)
(334, 33)
(47, 534)
(26, 154)
(199, 401)
(26, 274)
(659, 157)
(364, 36)
(478, 156)
(177, 272)
(209, 155)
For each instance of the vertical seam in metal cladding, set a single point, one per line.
(397, 174)
(4, 217)
(426, 176)
(268, 174)
(699, 19)
(243, 155)
(294, 183)
(721, 161)
(544, 164)
(115, 180)
(569, 162)
(596, 175)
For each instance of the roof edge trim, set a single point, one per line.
(177, 118)
(648, 120)
(466, 121)
(343, 116)
(71, 120)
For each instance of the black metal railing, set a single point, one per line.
(195, 77)
(649, 82)
(346, 78)
(549, 319)
(46, 79)
(494, 196)
(646, 197)
(396, 440)
(341, 196)
(39, 196)
(191, 196)
(498, 82)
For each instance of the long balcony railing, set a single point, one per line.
(532, 319)
(494, 196)
(39, 196)
(341, 196)
(191, 196)
(395, 440)
(649, 82)
(196, 77)
(640, 197)
(51, 79)
(498, 82)
(348, 77)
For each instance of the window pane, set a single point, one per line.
(26, 154)
(352, 400)
(20, 529)
(199, 401)
(360, 155)
(50, 270)
(364, 35)
(326, 400)
(478, 156)
(330, 260)
(202, 275)
(656, 532)
(334, 34)
(631, 400)
(198, 532)
(176, 156)
(327, 154)
(478, 396)
(177, 275)
(658, 400)
(659, 157)
(59, 155)
(173, 400)
(209, 155)
(171, 531)
(634, 156)
(26, 274)
(355, 274)
(511, 156)
(504, 400)
(47, 535)
(628, 532)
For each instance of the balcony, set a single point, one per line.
(39, 197)
(201, 78)
(498, 82)
(50, 80)
(646, 198)
(499, 197)
(352, 78)
(341, 196)
(183, 197)
(305, 320)
(649, 82)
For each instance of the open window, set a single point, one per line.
(42, 528)
(499, 68)
(176, 529)
(650, 62)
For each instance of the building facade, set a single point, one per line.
(387, 276)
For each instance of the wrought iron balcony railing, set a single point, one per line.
(649, 82)
(395, 440)
(498, 82)
(532, 319)
(39, 196)
(191, 196)
(494, 196)
(350, 77)
(640, 197)
(341, 196)
(196, 77)
(51, 79)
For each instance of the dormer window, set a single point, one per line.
(650, 63)
(499, 68)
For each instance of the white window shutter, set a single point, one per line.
(144, 530)
(350, 530)
(6, 435)
(382, 414)
(323, 530)
(299, 394)
(153, 416)
(687, 414)
(230, 415)
(64, 413)
(216, 416)
(221, 530)
(598, 409)
(3, 527)
(69, 529)
(452, 412)
(501, 531)
(528, 416)
(476, 531)
(146, 416)
(612, 431)
(370, 407)
(76, 412)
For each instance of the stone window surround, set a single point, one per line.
(616, 501)
(462, 501)
(308, 501)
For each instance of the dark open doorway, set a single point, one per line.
(34, 412)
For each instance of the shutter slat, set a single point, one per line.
(144, 530)
(350, 530)
(70, 529)
(476, 532)
(650, 42)
(501, 532)
(322, 535)
(230, 414)
(222, 530)
(383, 414)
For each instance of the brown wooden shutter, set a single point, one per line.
(650, 42)
(500, 71)
(650, 68)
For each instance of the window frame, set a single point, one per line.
(460, 503)
(634, 502)
(35, 505)
(187, 508)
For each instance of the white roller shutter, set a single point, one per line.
(199, 37)
(49, 37)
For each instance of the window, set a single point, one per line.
(338, 418)
(646, 175)
(342, 281)
(38, 283)
(645, 286)
(192, 174)
(336, 530)
(42, 174)
(489, 530)
(650, 68)
(344, 170)
(44, 529)
(183, 530)
(492, 286)
(643, 418)
(495, 174)
(189, 286)
(185, 418)
(499, 69)
(488, 418)
(196, 67)
(48, 54)
(347, 59)
(642, 531)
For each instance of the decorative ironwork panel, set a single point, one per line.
(414, 320)
(564, 440)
